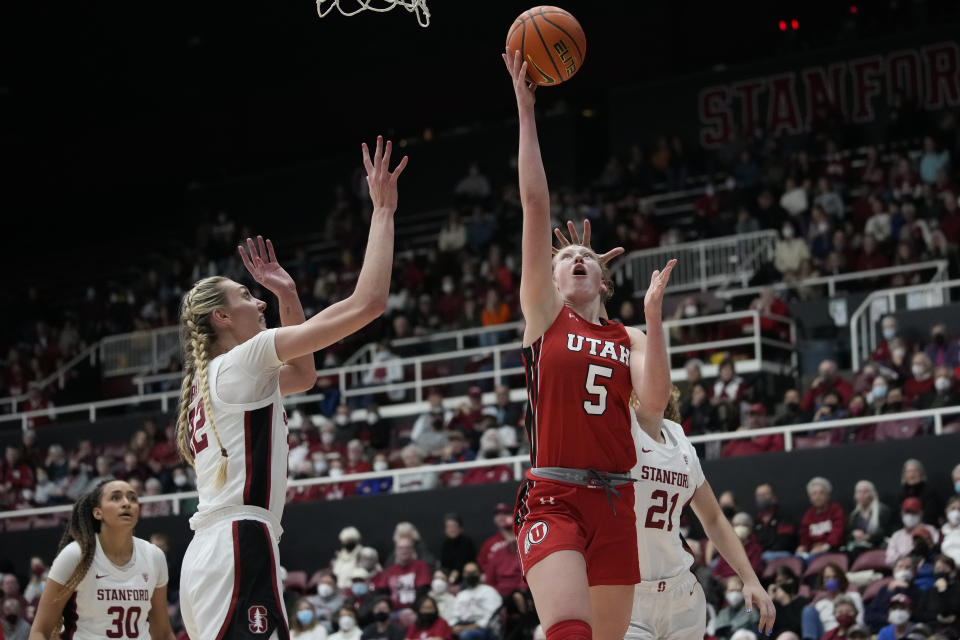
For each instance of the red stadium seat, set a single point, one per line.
(296, 580)
(795, 564)
(820, 562)
(874, 588)
(875, 559)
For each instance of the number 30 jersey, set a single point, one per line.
(110, 601)
(578, 393)
(667, 476)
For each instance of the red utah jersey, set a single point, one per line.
(578, 392)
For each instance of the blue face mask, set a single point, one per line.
(305, 616)
(832, 585)
(956, 486)
(359, 589)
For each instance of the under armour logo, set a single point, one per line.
(257, 617)
(549, 500)
(574, 317)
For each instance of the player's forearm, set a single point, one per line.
(533, 178)
(373, 284)
(291, 313)
(655, 391)
(728, 544)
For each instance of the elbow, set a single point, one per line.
(375, 307)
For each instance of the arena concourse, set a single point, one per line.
(813, 304)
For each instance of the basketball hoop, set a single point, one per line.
(380, 6)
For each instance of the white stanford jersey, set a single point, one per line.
(249, 416)
(110, 601)
(667, 475)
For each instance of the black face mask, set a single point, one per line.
(940, 338)
(728, 511)
(350, 546)
(427, 619)
(381, 616)
(471, 580)
(789, 587)
(12, 619)
(793, 407)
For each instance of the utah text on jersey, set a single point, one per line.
(609, 349)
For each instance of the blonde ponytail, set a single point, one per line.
(196, 336)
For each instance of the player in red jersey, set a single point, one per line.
(575, 525)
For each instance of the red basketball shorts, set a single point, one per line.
(555, 516)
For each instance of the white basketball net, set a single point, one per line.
(354, 7)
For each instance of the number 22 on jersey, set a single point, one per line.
(196, 419)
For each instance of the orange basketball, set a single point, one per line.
(551, 41)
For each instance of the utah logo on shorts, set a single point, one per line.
(257, 617)
(536, 534)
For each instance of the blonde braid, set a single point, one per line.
(196, 335)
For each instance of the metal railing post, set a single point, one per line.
(517, 471)
(938, 424)
(418, 378)
(496, 365)
(788, 441)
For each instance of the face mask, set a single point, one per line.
(448, 287)
(319, 466)
(684, 531)
(910, 520)
(764, 503)
(439, 586)
(728, 511)
(324, 590)
(879, 393)
(942, 383)
(734, 598)
(372, 418)
(917, 370)
(898, 353)
(427, 619)
(856, 410)
(380, 465)
(336, 472)
(347, 623)
(939, 338)
(903, 575)
(37, 570)
(179, 480)
(787, 232)
(326, 437)
(823, 227)
(381, 616)
(953, 517)
(742, 531)
(491, 453)
(341, 420)
(471, 580)
(789, 587)
(846, 620)
(832, 585)
(12, 619)
(305, 616)
(898, 616)
(350, 545)
(793, 407)
(359, 589)
(690, 310)
(889, 334)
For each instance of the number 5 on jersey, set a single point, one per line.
(595, 371)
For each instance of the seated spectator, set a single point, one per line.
(743, 527)
(440, 592)
(734, 615)
(787, 601)
(369, 559)
(768, 303)
(870, 522)
(790, 412)
(407, 530)
(904, 572)
(820, 617)
(913, 484)
(863, 380)
(360, 596)
(757, 419)
(939, 607)
(831, 407)
(347, 625)
(921, 381)
(500, 542)
(376, 486)
(328, 447)
(382, 627)
(729, 386)
(827, 380)
(153, 509)
(888, 329)
(14, 625)
(413, 457)
(775, 531)
(345, 560)
(428, 432)
(305, 625)
(902, 542)
(356, 461)
(15, 474)
(475, 606)
(327, 600)
(845, 613)
(458, 548)
(950, 543)
(898, 429)
(38, 576)
(944, 392)
(507, 412)
(490, 449)
(898, 365)
(405, 581)
(872, 257)
(821, 529)
(697, 413)
(429, 625)
(942, 351)
(898, 615)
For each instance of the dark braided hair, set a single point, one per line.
(82, 529)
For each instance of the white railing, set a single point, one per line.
(863, 321)
(939, 268)
(139, 351)
(700, 265)
(57, 376)
(518, 464)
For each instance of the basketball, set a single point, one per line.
(551, 41)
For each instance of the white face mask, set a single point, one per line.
(372, 418)
(690, 310)
(439, 586)
(324, 590)
(942, 383)
(179, 480)
(903, 575)
(823, 227)
(910, 520)
(787, 232)
(326, 437)
(742, 531)
(347, 623)
(898, 353)
(380, 465)
(898, 616)
(734, 598)
(918, 370)
(336, 473)
(448, 287)
(888, 334)
(953, 517)
(319, 466)
(341, 419)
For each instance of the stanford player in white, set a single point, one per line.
(232, 427)
(105, 583)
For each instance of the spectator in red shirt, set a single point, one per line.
(888, 327)
(743, 527)
(165, 451)
(450, 303)
(490, 449)
(406, 580)
(36, 402)
(757, 419)
(872, 257)
(821, 529)
(356, 458)
(768, 303)
(921, 381)
(429, 624)
(503, 521)
(845, 612)
(828, 380)
(15, 474)
(328, 444)
(499, 558)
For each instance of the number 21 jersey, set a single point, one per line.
(578, 390)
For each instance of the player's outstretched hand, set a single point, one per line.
(755, 596)
(575, 239)
(517, 68)
(653, 300)
(263, 266)
(382, 183)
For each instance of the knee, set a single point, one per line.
(570, 630)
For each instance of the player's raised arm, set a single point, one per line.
(651, 373)
(539, 299)
(369, 299)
